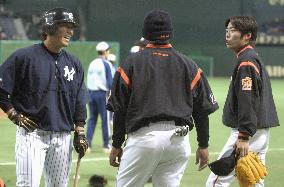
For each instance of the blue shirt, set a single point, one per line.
(49, 89)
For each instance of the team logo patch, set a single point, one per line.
(246, 83)
(69, 73)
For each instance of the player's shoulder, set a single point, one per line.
(70, 57)
(97, 62)
(132, 59)
(249, 59)
(249, 54)
(187, 60)
(25, 51)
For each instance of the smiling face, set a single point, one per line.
(61, 38)
(234, 38)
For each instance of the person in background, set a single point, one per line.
(139, 45)
(112, 59)
(249, 109)
(99, 81)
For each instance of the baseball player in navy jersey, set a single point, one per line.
(42, 91)
(249, 109)
(99, 81)
(156, 95)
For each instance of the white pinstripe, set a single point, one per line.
(42, 152)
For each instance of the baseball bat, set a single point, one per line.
(76, 179)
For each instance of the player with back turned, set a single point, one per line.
(156, 95)
(42, 91)
(249, 109)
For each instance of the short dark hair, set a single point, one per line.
(48, 30)
(244, 24)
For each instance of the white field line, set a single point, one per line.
(106, 158)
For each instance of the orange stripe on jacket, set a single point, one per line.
(248, 63)
(247, 47)
(124, 76)
(196, 78)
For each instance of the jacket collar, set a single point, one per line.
(243, 49)
(159, 46)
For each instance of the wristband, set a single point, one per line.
(246, 138)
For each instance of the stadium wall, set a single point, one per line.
(84, 51)
(198, 25)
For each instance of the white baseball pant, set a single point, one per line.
(42, 151)
(154, 151)
(258, 143)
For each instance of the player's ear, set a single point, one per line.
(247, 36)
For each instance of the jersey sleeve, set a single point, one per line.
(247, 86)
(118, 102)
(203, 98)
(8, 73)
(81, 99)
(204, 103)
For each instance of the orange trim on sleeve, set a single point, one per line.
(196, 78)
(124, 76)
(248, 63)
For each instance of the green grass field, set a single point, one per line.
(97, 162)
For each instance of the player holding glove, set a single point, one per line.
(249, 109)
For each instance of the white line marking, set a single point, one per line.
(106, 158)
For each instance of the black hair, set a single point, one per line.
(244, 24)
(48, 30)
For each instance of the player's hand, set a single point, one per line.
(202, 156)
(242, 148)
(80, 143)
(115, 156)
(21, 120)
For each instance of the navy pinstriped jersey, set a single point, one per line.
(250, 105)
(47, 88)
(157, 84)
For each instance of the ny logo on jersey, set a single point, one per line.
(69, 74)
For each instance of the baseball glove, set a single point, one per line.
(97, 181)
(224, 166)
(250, 170)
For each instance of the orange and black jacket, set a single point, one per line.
(160, 84)
(249, 105)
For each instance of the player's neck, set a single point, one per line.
(51, 47)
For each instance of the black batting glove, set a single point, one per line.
(80, 143)
(22, 121)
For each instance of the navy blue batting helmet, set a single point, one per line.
(58, 15)
(51, 18)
